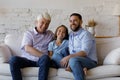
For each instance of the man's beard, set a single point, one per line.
(75, 29)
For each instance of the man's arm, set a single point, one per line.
(33, 51)
(65, 60)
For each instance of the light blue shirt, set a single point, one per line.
(36, 40)
(57, 49)
(82, 40)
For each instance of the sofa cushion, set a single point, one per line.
(27, 72)
(113, 57)
(1, 60)
(104, 71)
(65, 74)
(95, 73)
(33, 71)
(110, 78)
(2, 77)
(5, 53)
(14, 43)
(105, 45)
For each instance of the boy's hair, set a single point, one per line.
(44, 15)
(66, 35)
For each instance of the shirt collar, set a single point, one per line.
(35, 31)
(55, 46)
(78, 32)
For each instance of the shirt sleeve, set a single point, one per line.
(87, 42)
(50, 46)
(27, 40)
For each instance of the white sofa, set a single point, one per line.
(11, 47)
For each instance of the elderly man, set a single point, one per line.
(82, 47)
(34, 49)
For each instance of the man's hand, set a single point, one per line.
(64, 61)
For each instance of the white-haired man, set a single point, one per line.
(34, 49)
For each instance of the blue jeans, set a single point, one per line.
(56, 58)
(17, 63)
(78, 63)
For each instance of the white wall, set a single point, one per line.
(19, 15)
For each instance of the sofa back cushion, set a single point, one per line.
(5, 53)
(105, 46)
(113, 57)
(14, 43)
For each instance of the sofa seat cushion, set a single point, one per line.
(65, 74)
(103, 71)
(2, 77)
(110, 78)
(27, 72)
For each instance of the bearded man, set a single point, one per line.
(82, 48)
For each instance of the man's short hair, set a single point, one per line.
(76, 14)
(44, 15)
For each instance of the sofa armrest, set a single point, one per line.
(5, 53)
(1, 60)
